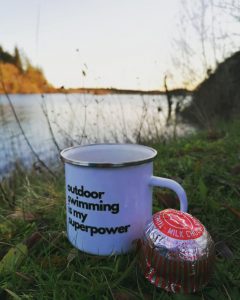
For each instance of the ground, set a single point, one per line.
(32, 213)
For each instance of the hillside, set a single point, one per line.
(17, 78)
(217, 97)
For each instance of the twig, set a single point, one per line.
(144, 114)
(45, 112)
(5, 196)
(226, 291)
(84, 122)
(169, 100)
(124, 127)
(20, 125)
(66, 133)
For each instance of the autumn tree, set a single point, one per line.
(18, 75)
(6, 57)
(17, 59)
(209, 32)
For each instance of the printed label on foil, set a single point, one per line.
(178, 225)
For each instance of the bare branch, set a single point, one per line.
(20, 125)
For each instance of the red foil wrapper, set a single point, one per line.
(177, 253)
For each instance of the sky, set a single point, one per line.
(118, 43)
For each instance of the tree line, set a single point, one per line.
(14, 59)
(18, 75)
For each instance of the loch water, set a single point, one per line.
(56, 121)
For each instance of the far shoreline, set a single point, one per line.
(106, 91)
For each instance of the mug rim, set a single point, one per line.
(84, 163)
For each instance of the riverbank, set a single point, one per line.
(32, 212)
(12, 88)
(106, 91)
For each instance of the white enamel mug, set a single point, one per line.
(109, 195)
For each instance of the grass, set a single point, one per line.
(206, 164)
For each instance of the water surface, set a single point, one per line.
(55, 121)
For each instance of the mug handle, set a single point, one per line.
(172, 185)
